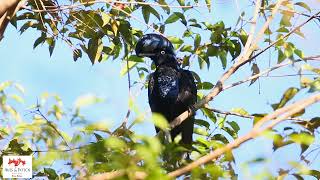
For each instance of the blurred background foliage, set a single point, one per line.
(105, 30)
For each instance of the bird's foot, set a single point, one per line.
(192, 110)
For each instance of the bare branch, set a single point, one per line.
(279, 116)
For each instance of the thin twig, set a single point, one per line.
(38, 112)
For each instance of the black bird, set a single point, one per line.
(171, 89)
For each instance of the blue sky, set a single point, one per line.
(38, 73)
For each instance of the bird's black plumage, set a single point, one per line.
(171, 89)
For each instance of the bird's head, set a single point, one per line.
(156, 47)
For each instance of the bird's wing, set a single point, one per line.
(188, 91)
(151, 92)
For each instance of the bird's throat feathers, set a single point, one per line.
(165, 60)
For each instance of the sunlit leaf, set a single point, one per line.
(304, 5)
(160, 121)
(87, 100)
(286, 97)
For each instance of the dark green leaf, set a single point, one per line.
(281, 56)
(201, 122)
(205, 85)
(51, 173)
(171, 19)
(40, 40)
(257, 117)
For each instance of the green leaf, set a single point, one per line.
(5, 84)
(234, 126)
(304, 5)
(26, 26)
(315, 85)
(212, 51)
(181, 2)
(302, 138)
(17, 98)
(51, 173)
(19, 87)
(201, 131)
(95, 47)
(205, 85)
(278, 142)
(64, 176)
(40, 40)
(281, 56)
(299, 53)
(220, 137)
(311, 125)
(285, 21)
(175, 40)
(171, 19)
(208, 113)
(87, 100)
(243, 36)
(208, 2)
(186, 48)
(197, 41)
(241, 111)
(283, 29)
(255, 70)
(286, 97)
(257, 117)
(105, 18)
(115, 143)
(231, 132)
(201, 122)
(160, 121)
(51, 42)
(146, 14)
(288, 51)
(223, 59)
(165, 7)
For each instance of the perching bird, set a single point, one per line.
(171, 89)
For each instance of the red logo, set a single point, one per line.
(16, 162)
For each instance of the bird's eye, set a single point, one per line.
(163, 52)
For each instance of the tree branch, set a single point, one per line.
(118, 173)
(66, 7)
(229, 113)
(8, 8)
(279, 116)
(243, 59)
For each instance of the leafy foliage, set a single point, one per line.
(105, 30)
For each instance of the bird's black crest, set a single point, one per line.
(153, 44)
